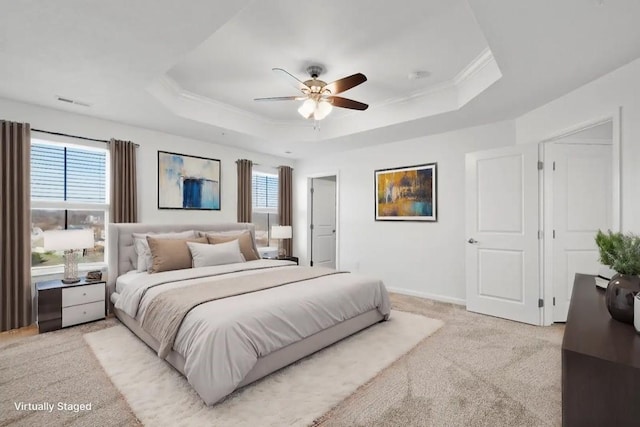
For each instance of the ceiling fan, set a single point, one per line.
(320, 97)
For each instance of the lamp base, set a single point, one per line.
(70, 267)
(282, 252)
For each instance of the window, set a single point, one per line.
(68, 191)
(265, 206)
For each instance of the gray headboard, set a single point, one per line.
(121, 250)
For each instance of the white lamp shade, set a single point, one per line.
(307, 108)
(55, 240)
(322, 110)
(281, 232)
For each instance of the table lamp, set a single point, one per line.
(281, 232)
(69, 241)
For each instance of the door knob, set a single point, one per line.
(472, 241)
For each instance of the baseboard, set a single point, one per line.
(435, 297)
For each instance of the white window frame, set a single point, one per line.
(65, 205)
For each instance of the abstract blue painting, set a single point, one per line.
(188, 182)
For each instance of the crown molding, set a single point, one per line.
(481, 61)
(484, 59)
(180, 93)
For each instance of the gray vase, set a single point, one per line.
(620, 296)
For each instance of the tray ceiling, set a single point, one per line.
(194, 71)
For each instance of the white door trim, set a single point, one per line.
(547, 292)
(308, 191)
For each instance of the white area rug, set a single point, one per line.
(293, 396)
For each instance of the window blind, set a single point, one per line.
(60, 173)
(265, 191)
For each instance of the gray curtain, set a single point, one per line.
(15, 225)
(285, 208)
(124, 187)
(245, 168)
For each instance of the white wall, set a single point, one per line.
(425, 259)
(150, 142)
(600, 98)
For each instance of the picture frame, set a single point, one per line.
(408, 193)
(188, 182)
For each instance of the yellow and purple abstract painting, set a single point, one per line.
(406, 193)
(188, 182)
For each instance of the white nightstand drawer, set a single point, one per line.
(82, 313)
(82, 294)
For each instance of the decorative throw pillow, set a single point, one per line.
(144, 260)
(205, 255)
(171, 254)
(234, 233)
(244, 239)
(143, 254)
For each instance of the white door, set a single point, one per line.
(580, 182)
(502, 230)
(323, 222)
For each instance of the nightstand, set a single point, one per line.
(289, 258)
(61, 305)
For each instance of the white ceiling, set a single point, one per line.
(194, 70)
(234, 65)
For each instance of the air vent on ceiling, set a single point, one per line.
(419, 74)
(72, 101)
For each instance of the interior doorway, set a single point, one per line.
(323, 220)
(579, 199)
(532, 214)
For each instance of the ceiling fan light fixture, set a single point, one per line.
(318, 96)
(307, 108)
(322, 110)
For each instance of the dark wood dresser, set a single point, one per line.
(600, 363)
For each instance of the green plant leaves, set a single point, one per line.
(619, 251)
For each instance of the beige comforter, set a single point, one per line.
(165, 312)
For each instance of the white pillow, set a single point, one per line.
(144, 254)
(205, 255)
(141, 246)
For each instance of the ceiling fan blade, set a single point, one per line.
(345, 84)
(291, 79)
(341, 102)
(282, 98)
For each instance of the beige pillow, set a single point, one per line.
(143, 261)
(244, 239)
(171, 254)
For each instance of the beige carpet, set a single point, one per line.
(294, 396)
(474, 371)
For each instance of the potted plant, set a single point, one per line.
(621, 252)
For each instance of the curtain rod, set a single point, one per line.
(260, 164)
(75, 136)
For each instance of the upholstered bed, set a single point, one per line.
(224, 344)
